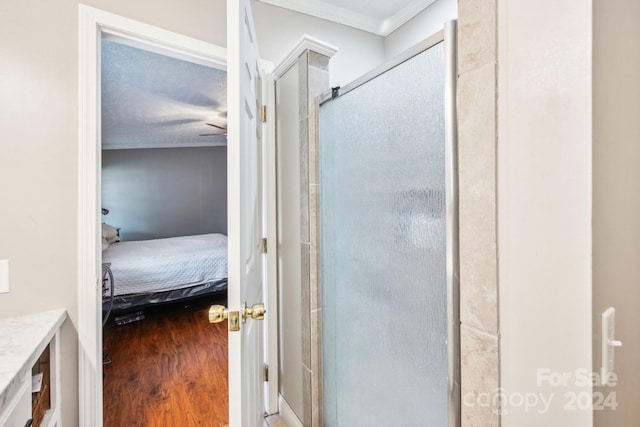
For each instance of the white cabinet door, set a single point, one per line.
(18, 410)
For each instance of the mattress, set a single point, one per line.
(158, 265)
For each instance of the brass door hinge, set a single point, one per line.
(264, 114)
(265, 373)
(264, 245)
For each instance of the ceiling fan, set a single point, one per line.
(223, 129)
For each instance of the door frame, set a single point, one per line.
(93, 24)
(271, 229)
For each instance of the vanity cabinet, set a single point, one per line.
(30, 345)
(18, 411)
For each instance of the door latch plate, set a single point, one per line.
(234, 321)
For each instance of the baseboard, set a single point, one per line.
(287, 413)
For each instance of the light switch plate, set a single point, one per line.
(4, 276)
(609, 343)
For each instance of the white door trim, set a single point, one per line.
(93, 23)
(271, 227)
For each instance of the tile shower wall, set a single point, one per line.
(300, 375)
(318, 82)
(477, 192)
(289, 272)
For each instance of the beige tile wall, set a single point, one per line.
(314, 77)
(314, 276)
(477, 139)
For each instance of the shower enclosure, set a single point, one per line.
(388, 244)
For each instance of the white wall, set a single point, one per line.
(429, 21)
(616, 197)
(544, 203)
(279, 31)
(39, 150)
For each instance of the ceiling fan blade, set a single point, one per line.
(213, 134)
(176, 122)
(216, 126)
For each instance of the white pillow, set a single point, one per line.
(105, 244)
(110, 233)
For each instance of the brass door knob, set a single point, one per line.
(218, 313)
(256, 312)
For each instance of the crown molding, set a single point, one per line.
(403, 16)
(329, 12)
(340, 15)
(306, 42)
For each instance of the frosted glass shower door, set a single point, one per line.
(383, 252)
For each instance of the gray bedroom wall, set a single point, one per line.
(165, 192)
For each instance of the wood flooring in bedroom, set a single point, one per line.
(169, 369)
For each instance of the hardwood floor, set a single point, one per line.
(169, 369)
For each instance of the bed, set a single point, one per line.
(165, 270)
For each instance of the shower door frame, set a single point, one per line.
(447, 36)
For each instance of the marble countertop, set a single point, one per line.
(22, 340)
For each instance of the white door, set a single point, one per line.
(245, 216)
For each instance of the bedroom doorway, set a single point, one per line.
(164, 244)
(250, 165)
(99, 28)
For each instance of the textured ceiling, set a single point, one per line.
(151, 100)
